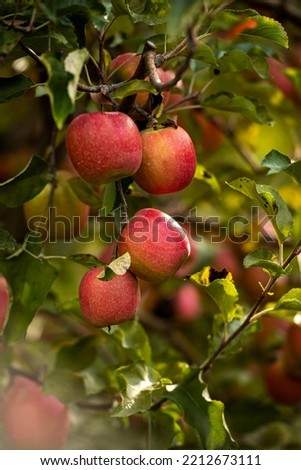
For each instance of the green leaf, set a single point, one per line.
(202, 174)
(8, 40)
(206, 416)
(132, 337)
(269, 29)
(150, 12)
(30, 280)
(290, 301)
(121, 264)
(26, 185)
(132, 88)
(57, 86)
(162, 430)
(276, 162)
(138, 382)
(85, 192)
(263, 258)
(294, 170)
(109, 200)
(270, 201)
(65, 385)
(205, 54)
(74, 63)
(90, 261)
(10, 87)
(8, 244)
(248, 107)
(237, 60)
(78, 355)
(222, 291)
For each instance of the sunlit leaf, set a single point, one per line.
(202, 174)
(222, 291)
(290, 301)
(270, 201)
(74, 63)
(263, 258)
(58, 83)
(121, 264)
(137, 381)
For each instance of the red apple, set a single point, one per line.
(33, 420)
(123, 68)
(157, 244)
(281, 80)
(292, 350)
(105, 303)
(211, 136)
(4, 301)
(281, 386)
(168, 160)
(66, 217)
(104, 147)
(192, 263)
(187, 303)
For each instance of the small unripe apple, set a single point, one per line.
(33, 420)
(105, 303)
(157, 244)
(66, 217)
(168, 160)
(104, 146)
(281, 386)
(187, 303)
(4, 301)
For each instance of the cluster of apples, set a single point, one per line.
(105, 147)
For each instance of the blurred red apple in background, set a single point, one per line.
(4, 301)
(33, 420)
(292, 350)
(187, 303)
(281, 386)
